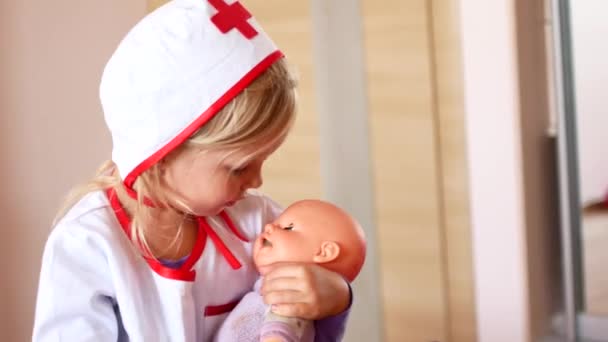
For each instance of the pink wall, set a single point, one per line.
(494, 140)
(51, 130)
(512, 169)
(589, 32)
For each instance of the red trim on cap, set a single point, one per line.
(184, 272)
(133, 194)
(220, 309)
(204, 117)
(232, 226)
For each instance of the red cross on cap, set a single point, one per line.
(232, 16)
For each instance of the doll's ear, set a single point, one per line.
(329, 251)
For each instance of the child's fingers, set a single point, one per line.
(306, 291)
(281, 284)
(301, 310)
(287, 270)
(283, 297)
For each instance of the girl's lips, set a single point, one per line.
(231, 203)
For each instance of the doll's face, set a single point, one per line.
(295, 236)
(312, 231)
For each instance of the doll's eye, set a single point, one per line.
(289, 227)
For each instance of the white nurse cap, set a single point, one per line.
(173, 72)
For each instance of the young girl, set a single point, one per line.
(158, 246)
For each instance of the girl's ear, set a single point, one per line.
(162, 165)
(328, 251)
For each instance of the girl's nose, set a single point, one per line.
(256, 180)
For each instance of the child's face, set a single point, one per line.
(209, 182)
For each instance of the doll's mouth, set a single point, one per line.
(266, 243)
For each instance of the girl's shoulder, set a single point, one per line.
(253, 212)
(90, 203)
(90, 223)
(86, 250)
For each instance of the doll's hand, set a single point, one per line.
(272, 339)
(305, 290)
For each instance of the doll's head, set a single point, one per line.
(312, 231)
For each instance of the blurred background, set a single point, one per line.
(433, 121)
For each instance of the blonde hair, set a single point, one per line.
(263, 114)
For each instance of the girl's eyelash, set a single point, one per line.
(239, 170)
(289, 227)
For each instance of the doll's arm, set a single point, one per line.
(282, 329)
(278, 328)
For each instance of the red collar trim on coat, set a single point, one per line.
(185, 271)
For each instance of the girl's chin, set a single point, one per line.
(204, 212)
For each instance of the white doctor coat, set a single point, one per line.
(95, 286)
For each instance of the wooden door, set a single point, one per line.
(417, 125)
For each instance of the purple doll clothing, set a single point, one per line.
(246, 323)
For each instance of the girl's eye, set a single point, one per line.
(289, 227)
(239, 171)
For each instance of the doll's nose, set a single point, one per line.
(268, 228)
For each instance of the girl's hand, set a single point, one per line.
(306, 291)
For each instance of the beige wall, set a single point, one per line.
(52, 129)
